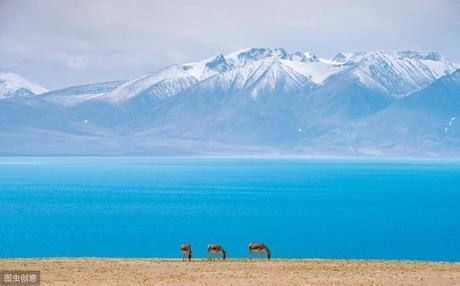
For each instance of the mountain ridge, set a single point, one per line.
(12, 84)
(255, 100)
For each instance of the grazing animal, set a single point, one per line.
(259, 248)
(186, 250)
(216, 248)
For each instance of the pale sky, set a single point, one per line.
(64, 42)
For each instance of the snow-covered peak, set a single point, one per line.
(223, 63)
(355, 57)
(396, 73)
(243, 56)
(311, 57)
(276, 77)
(174, 75)
(14, 84)
(256, 54)
(260, 78)
(208, 67)
(307, 63)
(302, 57)
(347, 57)
(218, 64)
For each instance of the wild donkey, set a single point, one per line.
(186, 250)
(216, 248)
(259, 248)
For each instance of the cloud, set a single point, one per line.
(59, 43)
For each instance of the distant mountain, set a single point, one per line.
(255, 100)
(77, 94)
(425, 122)
(173, 79)
(397, 74)
(12, 85)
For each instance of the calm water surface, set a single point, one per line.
(145, 207)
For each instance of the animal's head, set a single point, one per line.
(269, 254)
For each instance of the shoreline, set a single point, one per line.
(239, 271)
(229, 259)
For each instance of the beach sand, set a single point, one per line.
(107, 271)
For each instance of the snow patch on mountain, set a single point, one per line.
(395, 73)
(347, 57)
(206, 68)
(262, 77)
(276, 77)
(317, 71)
(174, 78)
(76, 94)
(12, 84)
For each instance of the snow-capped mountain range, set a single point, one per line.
(256, 100)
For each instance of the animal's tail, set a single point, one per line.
(224, 254)
(269, 254)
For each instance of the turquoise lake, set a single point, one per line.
(301, 208)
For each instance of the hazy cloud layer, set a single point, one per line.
(62, 43)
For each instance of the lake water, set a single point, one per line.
(145, 207)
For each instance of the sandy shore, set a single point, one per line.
(96, 271)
